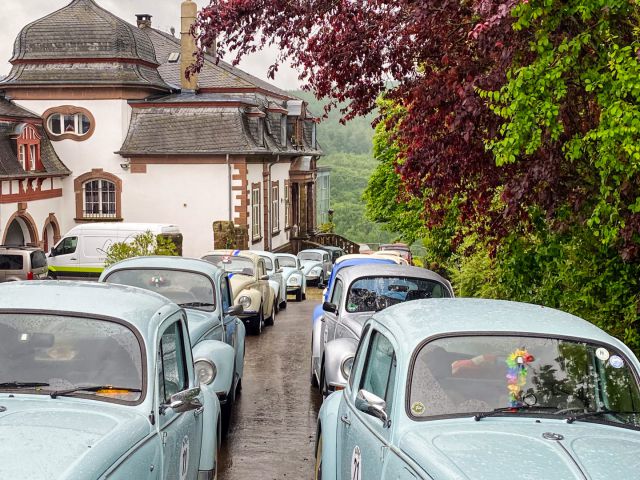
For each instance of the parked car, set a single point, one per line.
(249, 286)
(483, 389)
(293, 277)
(81, 253)
(401, 249)
(276, 277)
(316, 265)
(22, 263)
(357, 293)
(98, 381)
(334, 252)
(394, 254)
(204, 292)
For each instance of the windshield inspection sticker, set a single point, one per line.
(602, 354)
(417, 408)
(356, 464)
(616, 362)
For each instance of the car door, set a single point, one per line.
(181, 433)
(331, 319)
(264, 286)
(228, 321)
(63, 261)
(326, 265)
(280, 279)
(364, 437)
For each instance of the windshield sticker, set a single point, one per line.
(356, 464)
(602, 354)
(517, 364)
(616, 362)
(184, 459)
(417, 408)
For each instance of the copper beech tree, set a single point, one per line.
(508, 106)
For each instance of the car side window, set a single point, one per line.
(172, 372)
(224, 293)
(337, 293)
(357, 359)
(380, 369)
(67, 246)
(325, 258)
(260, 268)
(277, 264)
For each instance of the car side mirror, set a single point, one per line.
(330, 307)
(185, 401)
(52, 252)
(372, 405)
(279, 270)
(264, 277)
(234, 310)
(301, 268)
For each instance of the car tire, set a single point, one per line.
(270, 320)
(304, 295)
(256, 328)
(321, 281)
(225, 411)
(299, 295)
(314, 381)
(324, 388)
(283, 305)
(317, 471)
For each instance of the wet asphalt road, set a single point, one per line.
(272, 432)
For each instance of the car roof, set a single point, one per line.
(380, 269)
(134, 305)
(165, 262)
(234, 253)
(285, 255)
(412, 322)
(330, 248)
(21, 248)
(261, 253)
(313, 250)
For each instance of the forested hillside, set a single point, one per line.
(348, 152)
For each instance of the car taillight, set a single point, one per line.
(30, 276)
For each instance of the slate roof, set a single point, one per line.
(220, 75)
(11, 168)
(10, 109)
(83, 30)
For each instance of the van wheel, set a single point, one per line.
(52, 276)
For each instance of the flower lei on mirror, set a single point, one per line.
(517, 364)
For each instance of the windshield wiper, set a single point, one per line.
(604, 411)
(497, 411)
(91, 388)
(196, 304)
(23, 384)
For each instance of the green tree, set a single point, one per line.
(142, 245)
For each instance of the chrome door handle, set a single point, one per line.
(73, 258)
(197, 412)
(345, 419)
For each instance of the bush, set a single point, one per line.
(142, 245)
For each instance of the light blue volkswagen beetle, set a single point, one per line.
(203, 290)
(97, 382)
(483, 390)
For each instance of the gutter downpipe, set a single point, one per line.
(230, 189)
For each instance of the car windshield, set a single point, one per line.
(316, 257)
(231, 264)
(46, 353)
(188, 289)
(530, 375)
(287, 262)
(372, 294)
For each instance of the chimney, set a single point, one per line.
(144, 20)
(188, 45)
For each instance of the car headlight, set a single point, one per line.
(293, 280)
(315, 271)
(206, 371)
(245, 302)
(346, 366)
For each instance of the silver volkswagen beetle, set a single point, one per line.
(355, 295)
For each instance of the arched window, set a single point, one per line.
(99, 199)
(98, 196)
(69, 122)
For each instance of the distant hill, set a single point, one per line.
(347, 151)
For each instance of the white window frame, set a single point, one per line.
(111, 203)
(275, 207)
(287, 205)
(22, 156)
(256, 211)
(33, 154)
(77, 123)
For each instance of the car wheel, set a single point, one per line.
(324, 388)
(318, 468)
(299, 295)
(226, 410)
(259, 323)
(272, 318)
(314, 381)
(321, 281)
(52, 276)
(283, 306)
(304, 295)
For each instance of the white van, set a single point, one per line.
(82, 251)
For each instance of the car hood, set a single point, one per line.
(288, 271)
(200, 322)
(500, 448)
(355, 321)
(239, 283)
(45, 439)
(307, 265)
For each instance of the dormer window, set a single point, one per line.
(68, 122)
(28, 145)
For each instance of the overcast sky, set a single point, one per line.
(166, 14)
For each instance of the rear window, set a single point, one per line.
(11, 262)
(38, 260)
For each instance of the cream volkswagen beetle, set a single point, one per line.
(249, 286)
